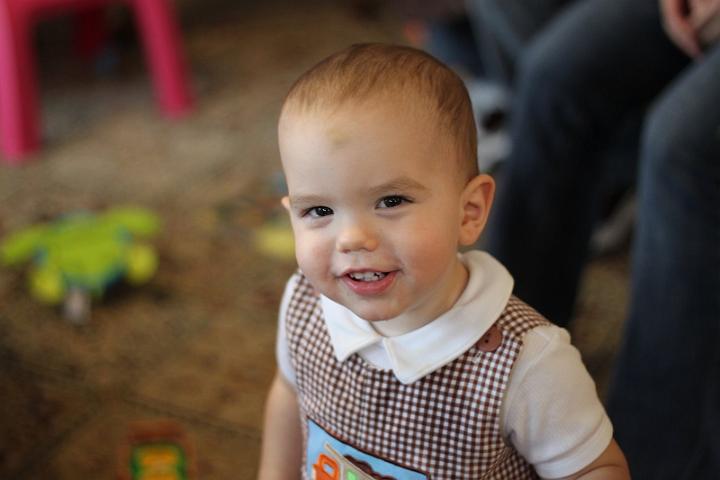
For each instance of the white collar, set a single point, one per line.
(422, 351)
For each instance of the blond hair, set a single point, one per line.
(370, 70)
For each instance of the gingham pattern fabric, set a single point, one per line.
(446, 425)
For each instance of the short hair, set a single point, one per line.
(369, 70)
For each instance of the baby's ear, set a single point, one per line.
(286, 203)
(477, 198)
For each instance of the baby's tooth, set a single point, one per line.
(367, 276)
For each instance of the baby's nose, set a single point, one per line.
(355, 237)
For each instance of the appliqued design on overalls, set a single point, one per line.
(329, 458)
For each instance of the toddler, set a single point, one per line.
(400, 358)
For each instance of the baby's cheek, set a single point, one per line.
(304, 257)
(430, 252)
(428, 241)
(311, 256)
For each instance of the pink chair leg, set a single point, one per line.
(158, 28)
(19, 127)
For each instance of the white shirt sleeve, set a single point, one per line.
(552, 413)
(282, 352)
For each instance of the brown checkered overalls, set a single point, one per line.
(445, 425)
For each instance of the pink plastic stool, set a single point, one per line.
(19, 118)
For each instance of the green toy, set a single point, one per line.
(80, 255)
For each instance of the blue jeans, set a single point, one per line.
(504, 28)
(597, 67)
(489, 39)
(668, 371)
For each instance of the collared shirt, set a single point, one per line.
(550, 413)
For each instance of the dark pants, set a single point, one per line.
(583, 79)
(504, 28)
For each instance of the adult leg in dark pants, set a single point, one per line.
(598, 63)
(664, 399)
(504, 28)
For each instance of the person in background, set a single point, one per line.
(595, 68)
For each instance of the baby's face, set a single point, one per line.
(375, 203)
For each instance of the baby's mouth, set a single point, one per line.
(369, 283)
(367, 276)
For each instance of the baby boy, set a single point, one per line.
(398, 356)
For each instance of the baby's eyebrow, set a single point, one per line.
(401, 184)
(303, 200)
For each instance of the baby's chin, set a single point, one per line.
(373, 315)
(371, 310)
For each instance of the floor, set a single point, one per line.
(195, 345)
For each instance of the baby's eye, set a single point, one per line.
(392, 201)
(317, 212)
